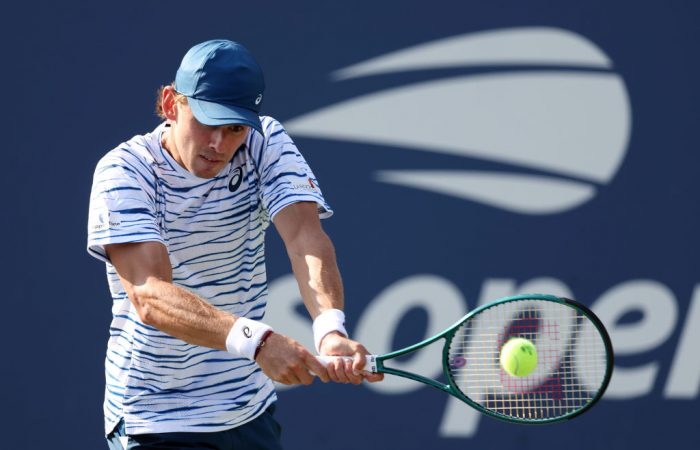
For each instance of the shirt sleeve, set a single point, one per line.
(122, 204)
(286, 177)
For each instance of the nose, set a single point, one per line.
(216, 140)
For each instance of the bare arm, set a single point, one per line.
(312, 256)
(146, 274)
(314, 264)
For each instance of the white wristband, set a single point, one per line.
(328, 321)
(244, 337)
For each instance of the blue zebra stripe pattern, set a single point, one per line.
(214, 232)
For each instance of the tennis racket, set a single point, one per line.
(575, 359)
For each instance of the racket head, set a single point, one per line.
(575, 359)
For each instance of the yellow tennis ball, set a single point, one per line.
(519, 357)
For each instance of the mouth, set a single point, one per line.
(211, 160)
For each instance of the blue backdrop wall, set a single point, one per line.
(471, 150)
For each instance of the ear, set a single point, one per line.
(169, 104)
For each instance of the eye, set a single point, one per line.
(237, 129)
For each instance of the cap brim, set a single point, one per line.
(216, 114)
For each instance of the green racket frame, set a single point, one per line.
(378, 360)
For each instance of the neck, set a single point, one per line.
(165, 141)
(168, 145)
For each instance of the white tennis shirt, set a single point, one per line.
(214, 232)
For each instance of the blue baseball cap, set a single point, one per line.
(223, 84)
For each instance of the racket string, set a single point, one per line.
(571, 360)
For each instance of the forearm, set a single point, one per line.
(315, 268)
(182, 314)
(314, 264)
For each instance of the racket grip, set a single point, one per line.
(370, 361)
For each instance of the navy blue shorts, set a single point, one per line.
(263, 433)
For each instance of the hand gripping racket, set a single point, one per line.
(575, 359)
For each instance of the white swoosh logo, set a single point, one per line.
(565, 122)
(518, 193)
(513, 46)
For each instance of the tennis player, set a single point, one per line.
(179, 217)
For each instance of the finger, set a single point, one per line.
(316, 367)
(358, 364)
(374, 377)
(339, 366)
(301, 371)
(291, 376)
(352, 373)
(304, 376)
(286, 380)
(282, 381)
(330, 370)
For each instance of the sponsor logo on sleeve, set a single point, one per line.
(104, 220)
(308, 186)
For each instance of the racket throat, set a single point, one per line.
(415, 377)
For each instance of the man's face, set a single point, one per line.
(203, 150)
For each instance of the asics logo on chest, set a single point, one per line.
(236, 179)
